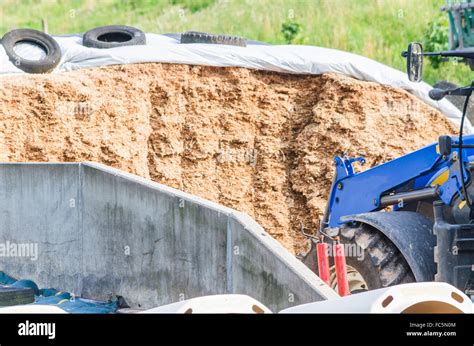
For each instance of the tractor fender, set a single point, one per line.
(410, 232)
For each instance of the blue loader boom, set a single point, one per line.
(424, 173)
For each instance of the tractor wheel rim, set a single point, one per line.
(354, 277)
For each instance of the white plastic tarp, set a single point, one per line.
(280, 58)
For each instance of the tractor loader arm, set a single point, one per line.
(355, 193)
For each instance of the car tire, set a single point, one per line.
(113, 36)
(39, 38)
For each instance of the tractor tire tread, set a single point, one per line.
(385, 257)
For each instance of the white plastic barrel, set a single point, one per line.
(223, 303)
(422, 297)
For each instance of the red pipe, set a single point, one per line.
(323, 262)
(341, 270)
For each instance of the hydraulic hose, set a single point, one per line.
(461, 165)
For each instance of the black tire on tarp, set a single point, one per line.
(38, 38)
(203, 37)
(113, 36)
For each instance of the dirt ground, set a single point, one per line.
(259, 142)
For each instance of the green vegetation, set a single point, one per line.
(436, 38)
(290, 30)
(378, 29)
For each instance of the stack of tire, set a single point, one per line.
(103, 37)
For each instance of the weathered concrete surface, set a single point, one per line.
(102, 232)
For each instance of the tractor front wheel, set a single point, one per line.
(373, 261)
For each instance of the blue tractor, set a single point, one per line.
(410, 219)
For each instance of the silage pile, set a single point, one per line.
(259, 142)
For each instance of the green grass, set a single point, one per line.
(378, 29)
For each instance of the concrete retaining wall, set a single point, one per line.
(101, 232)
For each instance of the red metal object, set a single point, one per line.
(341, 270)
(323, 262)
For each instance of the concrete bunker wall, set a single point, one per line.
(101, 232)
